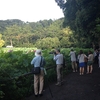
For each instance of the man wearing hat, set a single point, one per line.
(38, 61)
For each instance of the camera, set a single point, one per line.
(53, 52)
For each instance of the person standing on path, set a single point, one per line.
(99, 58)
(90, 63)
(58, 57)
(81, 58)
(95, 54)
(73, 60)
(38, 61)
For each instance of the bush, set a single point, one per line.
(15, 63)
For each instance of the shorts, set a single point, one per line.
(82, 64)
(89, 63)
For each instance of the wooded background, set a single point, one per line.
(79, 28)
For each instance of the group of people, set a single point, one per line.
(83, 60)
(39, 78)
(59, 59)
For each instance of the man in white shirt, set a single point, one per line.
(59, 62)
(73, 60)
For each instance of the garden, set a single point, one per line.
(16, 79)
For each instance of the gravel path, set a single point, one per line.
(75, 87)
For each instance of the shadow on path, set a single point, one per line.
(75, 87)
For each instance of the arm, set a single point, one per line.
(33, 61)
(85, 56)
(55, 57)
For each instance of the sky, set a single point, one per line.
(30, 10)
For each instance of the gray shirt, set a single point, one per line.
(73, 56)
(58, 58)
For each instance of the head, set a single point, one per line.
(72, 50)
(38, 52)
(90, 52)
(81, 51)
(57, 51)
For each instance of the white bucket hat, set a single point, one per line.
(38, 52)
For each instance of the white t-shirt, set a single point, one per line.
(90, 57)
(73, 56)
(81, 57)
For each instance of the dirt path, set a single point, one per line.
(75, 87)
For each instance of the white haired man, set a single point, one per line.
(37, 61)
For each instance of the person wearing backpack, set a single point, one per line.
(82, 64)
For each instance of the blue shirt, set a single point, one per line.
(58, 58)
(36, 61)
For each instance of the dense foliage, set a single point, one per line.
(1, 41)
(14, 64)
(16, 81)
(43, 34)
(83, 17)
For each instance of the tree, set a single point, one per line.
(82, 16)
(27, 34)
(48, 43)
(1, 41)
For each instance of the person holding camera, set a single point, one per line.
(58, 57)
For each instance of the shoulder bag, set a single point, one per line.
(37, 70)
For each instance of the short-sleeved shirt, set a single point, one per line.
(58, 58)
(81, 58)
(90, 57)
(73, 56)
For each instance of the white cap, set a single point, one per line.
(38, 52)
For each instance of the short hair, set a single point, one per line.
(58, 50)
(90, 52)
(81, 51)
(72, 50)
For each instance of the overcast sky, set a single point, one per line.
(29, 10)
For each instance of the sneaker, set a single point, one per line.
(73, 70)
(58, 84)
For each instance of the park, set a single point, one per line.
(79, 29)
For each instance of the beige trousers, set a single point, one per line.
(39, 83)
(74, 65)
(59, 73)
